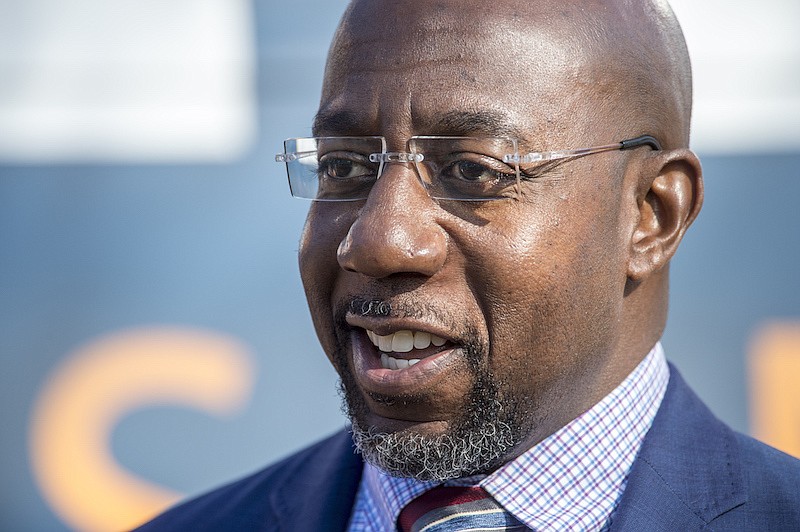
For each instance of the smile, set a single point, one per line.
(413, 345)
(405, 369)
(406, 342)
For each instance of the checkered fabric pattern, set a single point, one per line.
(572, 480)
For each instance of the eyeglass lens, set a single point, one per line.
(340, 169)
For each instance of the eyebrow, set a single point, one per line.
(488, 123)
(336, 123)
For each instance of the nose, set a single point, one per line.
(396, 230)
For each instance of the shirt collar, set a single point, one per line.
(573, 479)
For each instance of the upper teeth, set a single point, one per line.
(404, 341)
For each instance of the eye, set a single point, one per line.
(476, 169)
(340, 166)
(344, 175)
(472, 171)
(472, 176)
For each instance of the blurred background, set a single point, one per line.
(153, 328)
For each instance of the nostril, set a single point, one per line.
(344, 255)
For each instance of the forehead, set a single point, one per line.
(440, 68)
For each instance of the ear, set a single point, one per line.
(668, 204)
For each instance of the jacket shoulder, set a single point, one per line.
(255, 502)
(693, 472)
(773, 486)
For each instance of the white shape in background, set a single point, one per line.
(126, 81)
(746, 58)
(173, 80)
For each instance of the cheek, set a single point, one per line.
(549, 288)
(325, 228)
(319, 270)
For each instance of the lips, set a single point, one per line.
(409, 365)
(396, 356)
(403, 349)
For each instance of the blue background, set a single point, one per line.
(90, 249)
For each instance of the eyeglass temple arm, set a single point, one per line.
(533, 157)
(644, 140)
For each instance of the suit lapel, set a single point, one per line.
(688, 471)
(321, 493)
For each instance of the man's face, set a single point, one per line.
(526, 293)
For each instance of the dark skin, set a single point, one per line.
(565, 288)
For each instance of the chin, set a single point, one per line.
(478, 441)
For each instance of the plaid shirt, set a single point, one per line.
(572, 480)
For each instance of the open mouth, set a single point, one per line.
(391, 360)
(405, 348)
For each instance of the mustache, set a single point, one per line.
(369, 308)
(381, 308)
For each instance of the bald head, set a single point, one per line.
(641, 49)
(629, 55)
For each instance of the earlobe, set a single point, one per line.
(668, 204)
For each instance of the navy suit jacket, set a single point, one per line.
(692, 473)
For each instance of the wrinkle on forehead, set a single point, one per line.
(629, 53)
(434, 64)
(457, 123)
(403, 36)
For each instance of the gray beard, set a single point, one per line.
(477, 443)
(488, 428)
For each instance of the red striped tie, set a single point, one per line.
(455, 508)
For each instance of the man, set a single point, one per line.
(492, 293)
